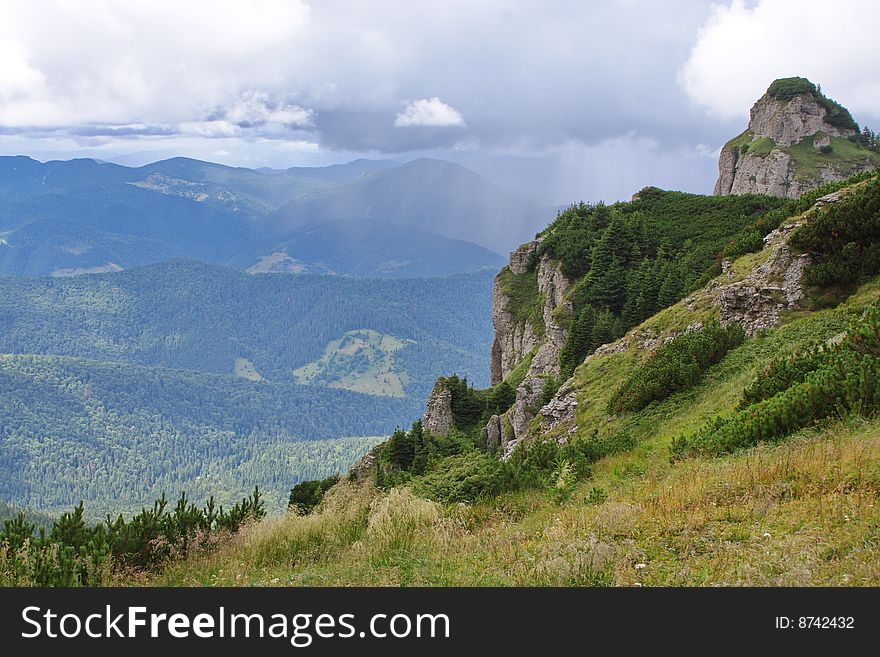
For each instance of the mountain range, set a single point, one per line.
(366, 218)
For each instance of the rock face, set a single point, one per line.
(552, 285)
(561, 409)
(762, 160)
(773, 286)
(787, 122)
(511, 341)
(523, 258)
(438, 411)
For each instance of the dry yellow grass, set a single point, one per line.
(801, 513)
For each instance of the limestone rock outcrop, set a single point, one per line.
(775, 285)
(795, 141)
(552, 285)
(438, 412)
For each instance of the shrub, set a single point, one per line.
(747, 241)
(463, 478)
(842, 378)
(75, 554)
(782, 373)
(844, 238)
(788, 88)
(548, 390)
(677, 365)
(306, 495)
(500, 398)
(563, 480)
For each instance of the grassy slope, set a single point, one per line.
(845, 156)
(803, 512)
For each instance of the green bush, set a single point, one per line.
(73, 553)
(463, 478)
(791, 395)
(844, 238)
(787, 88)
(782, 373)
(747, 241)
(678, 365)
(306, 495)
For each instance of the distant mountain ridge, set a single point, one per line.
(366, 218)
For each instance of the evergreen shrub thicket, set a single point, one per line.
(306, 495)
(797, 391)
(73, 553)
(677, 365)
(630, 260)
(844, 238)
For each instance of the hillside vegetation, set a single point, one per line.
(631, 492)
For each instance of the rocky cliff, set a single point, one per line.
(539, 337)
(514, 338)
(797, 139)
(438, 410)
(528, 341)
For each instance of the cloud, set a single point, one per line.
(94, 62)
(741, 49)
(284, 82)
(431, 112)
(255, 109)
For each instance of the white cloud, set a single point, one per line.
(256, 108)
(158, 61)
(429, 112)
(741, 49)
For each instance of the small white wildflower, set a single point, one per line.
(640, 566)
(766, 534)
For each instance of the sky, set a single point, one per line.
(561, 100)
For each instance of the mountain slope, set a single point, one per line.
(592, 497)
(186, 315)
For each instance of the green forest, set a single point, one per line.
(187, 315)
(119, 435)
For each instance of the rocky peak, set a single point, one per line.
(797, 139)
(788, 117)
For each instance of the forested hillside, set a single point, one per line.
(119, 435)
(116, 388)
(188, 315)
